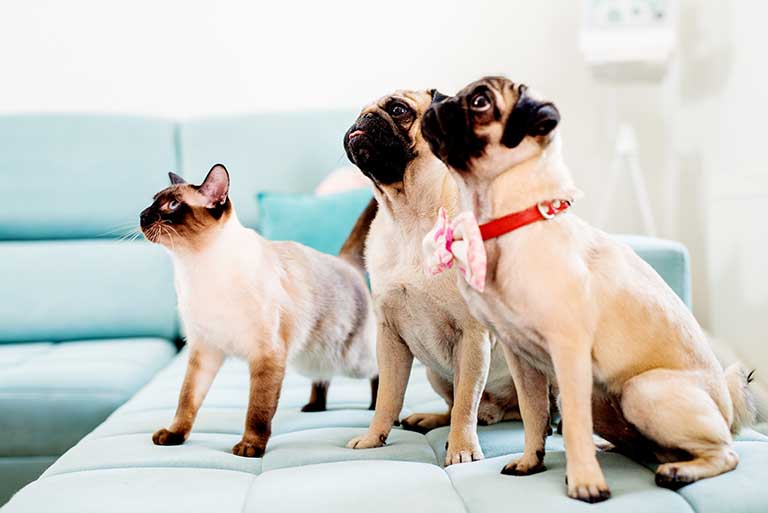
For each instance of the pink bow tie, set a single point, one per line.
(456, 240)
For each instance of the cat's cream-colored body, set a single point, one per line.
(249, 297)
(269, 303)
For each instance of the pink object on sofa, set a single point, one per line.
(342, 179)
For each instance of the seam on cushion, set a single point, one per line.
(135, 467)
(456, 491)
(690, 505)
(149, 433)
(132, 411)
(248, 492)
(292, 431)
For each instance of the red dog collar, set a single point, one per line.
(539, 212)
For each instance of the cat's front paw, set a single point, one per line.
(166, 437)
(248, 449)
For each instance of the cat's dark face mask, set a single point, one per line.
(183, 214)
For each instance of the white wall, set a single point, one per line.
(189, 58)
(722, 148)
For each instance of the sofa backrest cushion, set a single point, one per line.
(80, 176)
(284, 152)
(669, 258)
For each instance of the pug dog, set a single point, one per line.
(418, 317)
(571, 303)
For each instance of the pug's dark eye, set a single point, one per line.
(398, 109)
(480, 102)
(172, 205)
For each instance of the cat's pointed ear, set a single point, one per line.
(175, 179)
(215, 187)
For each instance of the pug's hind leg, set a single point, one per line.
(533, 398)
(318, 397)
(673, 409)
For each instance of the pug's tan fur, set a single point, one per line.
(427, 318)
(571, 303)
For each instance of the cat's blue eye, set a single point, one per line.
(172, 205)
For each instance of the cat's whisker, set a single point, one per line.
(132, 236)
(168, 225)
(121, 228)
(168, 234)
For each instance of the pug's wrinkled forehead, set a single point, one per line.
(386, 137)
(493, 112)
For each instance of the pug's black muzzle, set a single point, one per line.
(380, 151)
(448, 131)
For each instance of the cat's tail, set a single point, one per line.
(744, 409)
(353, 250)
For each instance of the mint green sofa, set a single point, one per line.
(88, 332)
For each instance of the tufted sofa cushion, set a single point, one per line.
(307, 468)
(51, 395)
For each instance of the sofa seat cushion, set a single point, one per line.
(308, 468)
(52, 394)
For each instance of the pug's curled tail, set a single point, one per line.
(353, 250)
(744, 409)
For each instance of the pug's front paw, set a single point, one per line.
(587, 484)
(526, 465)
(367, 441)
(425, 422)
(462, 449)
(166, 437)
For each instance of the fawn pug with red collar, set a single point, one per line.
(417, 316)
(271, 303)
(572, 304)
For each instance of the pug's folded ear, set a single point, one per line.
(529, 117)
(437, 96)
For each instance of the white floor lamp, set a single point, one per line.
(626, 42)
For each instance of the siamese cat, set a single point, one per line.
(270, 303)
